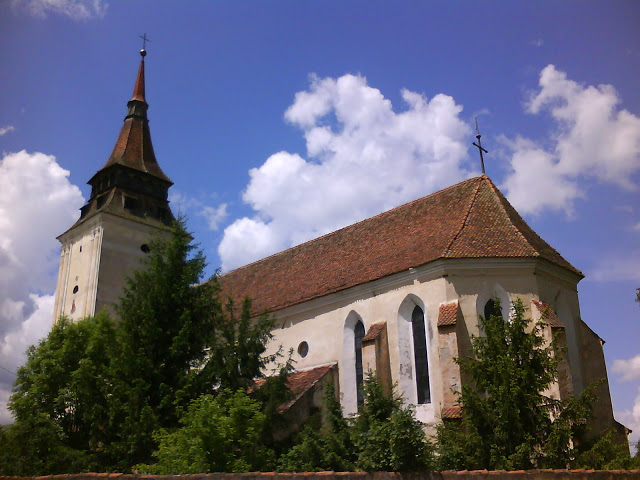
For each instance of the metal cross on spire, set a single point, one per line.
(479, 145)
(144, 38)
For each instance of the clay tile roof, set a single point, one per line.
(138, 89)
(454, 411)
(374, 331)
(300, 382)
(447, 314)
(133, 147)
(471, 219)
(547, 314)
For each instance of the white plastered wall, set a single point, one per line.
(326, 323)
(96, 257)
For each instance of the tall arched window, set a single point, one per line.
(492, 308)
(358, 335)
(420, 355)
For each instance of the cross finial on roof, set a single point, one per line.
(479, 145)
(144, 38)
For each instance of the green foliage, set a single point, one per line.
(383, 437)
(387, 436)
(36, 444)
(95, 391)
(508, 422)
(61, 396)
(606, 454)
(322, 446)
(218, 434)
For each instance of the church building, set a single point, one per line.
(398, 294)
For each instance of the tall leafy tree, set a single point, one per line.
(61, 396)
(178, 342)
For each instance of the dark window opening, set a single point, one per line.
(80, 248)
(101, 200)
(303, 349)
(75, 289)
(420, 355)
(145, 248)
(131, 203)
(492, 308)
(358, 335)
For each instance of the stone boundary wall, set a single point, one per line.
(447, 475)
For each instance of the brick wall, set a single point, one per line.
(461, 475)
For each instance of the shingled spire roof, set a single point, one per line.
(131, 184)
(133, 148)
(471, 219)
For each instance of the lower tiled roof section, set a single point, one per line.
(451, 412)
(374, 331)
(300, 382)
(448, 314)
(469, 220)
(547, 314)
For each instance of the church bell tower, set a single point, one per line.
(128, 206)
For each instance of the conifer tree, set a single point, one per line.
(508, 423)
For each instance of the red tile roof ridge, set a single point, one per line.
(335, 232)
(512, 224)
(547, 314)
(374, 331)
(299, 383)
(447, 314)
(463, 224)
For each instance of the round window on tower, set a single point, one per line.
(145, 248)
(303, 349)
(75, 289)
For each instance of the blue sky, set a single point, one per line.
(270, 117)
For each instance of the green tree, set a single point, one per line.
(384, 436)
(219, 433)
(508, 423)
(178, 342)
(61, 396)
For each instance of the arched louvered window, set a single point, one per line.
(492, 308)
(358, 335)
(420, 355)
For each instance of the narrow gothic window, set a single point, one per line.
(358, 335)
(491, 308)
(420, 354)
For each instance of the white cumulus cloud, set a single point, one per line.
(631, 420)
(618, 267)
(5, 130)
(594, 139)
(629, 369)
(362, 158)
(36, 201)
(183, 204)
(74, 9)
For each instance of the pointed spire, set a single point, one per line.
(138, 90)
(133, 147)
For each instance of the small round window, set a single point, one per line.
(75, 289)
(303, 349)
(145, 248)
